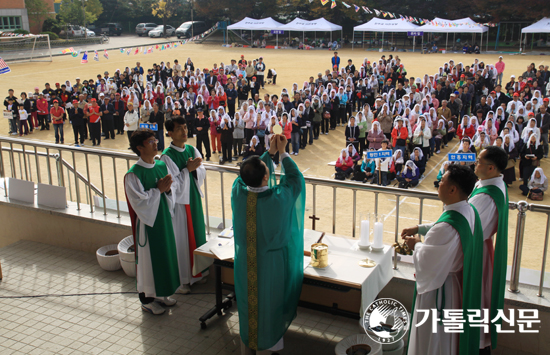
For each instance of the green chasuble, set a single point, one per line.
(195, 200)
(269, 254)
(501, 254)
(159, 237)
(472, 248)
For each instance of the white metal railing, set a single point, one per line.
(31, 157)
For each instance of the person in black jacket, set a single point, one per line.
(352, 133)
(76, 117)
(231, 99)
(107, 118)
(202, 126)
(307, 117)
(334, 109)
(242, 91)
(157, 117)
(226, 130)
(189, 113)
(120, 110)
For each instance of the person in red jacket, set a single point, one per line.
(42, 108)
(215, 136)
(344, 164)
(222, 97)
(465, 129)
(56, 112)
(213, 101)
(399, 136)
(94, 118)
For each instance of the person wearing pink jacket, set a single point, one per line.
(214, 135)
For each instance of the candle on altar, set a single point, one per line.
(378, 235)
(365, 233)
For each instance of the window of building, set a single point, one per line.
(10, 22)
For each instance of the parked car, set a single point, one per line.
(159, 31)
(71, 31)
(111, 29)
(185, 30)
(144, 28)
(88, 32)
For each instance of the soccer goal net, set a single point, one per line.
(34, 48)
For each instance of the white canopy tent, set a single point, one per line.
(264, 24)
(542, 26)
(318, 25)
(464, 25)
(381, 25)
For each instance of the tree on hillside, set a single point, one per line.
(235, 10)
(165, 9)
(37, 11)
(71, 11)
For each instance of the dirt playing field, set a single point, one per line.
(291, 66)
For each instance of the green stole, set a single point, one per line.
(501, 254)
(195, 200)
(162, 243)
(472, 247)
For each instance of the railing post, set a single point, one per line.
(37, 162)
(206, 204)
(76, 187)
(223, 204)
(116, 189)
(541, 283)
(334, 210)
(102, 185)
(522, 207)
(396, 231)
(354, 212)
(2, 171)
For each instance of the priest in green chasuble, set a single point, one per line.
(448, 270)
(268, 224)
(184, 164)
(150, 203)
(490, 198)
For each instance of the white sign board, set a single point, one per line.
(52, 196)
(21, 190)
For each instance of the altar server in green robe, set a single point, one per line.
(490, 198)
(448, 267)
(268, 224)
(184, 164)
(150, 203)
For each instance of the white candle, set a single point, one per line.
(365, 232)
(378, 235)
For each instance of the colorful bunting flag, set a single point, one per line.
(96, 56)
(67, 50)
(76, 54)
(121, 50)
(356, 8)
(105, 54)
(366, 10)
(346, 5)
(4, 68)
(324, 2)
(84, 58)
(333, 5)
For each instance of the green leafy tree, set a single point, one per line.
(71, 11)
(165, 10)
(37, 11)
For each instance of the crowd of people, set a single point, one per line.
(379, 104)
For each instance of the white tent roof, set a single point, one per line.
(320, 24)
(251, 24)
(542, 26)
(381, 25)
(464, 25)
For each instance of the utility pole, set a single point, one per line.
(84, 14)
(191, 18)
